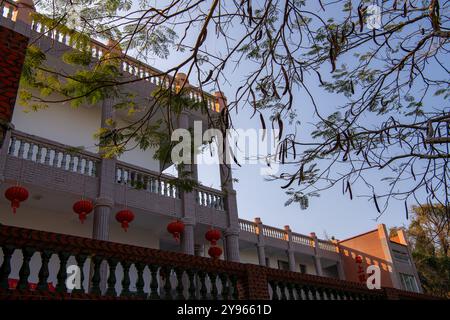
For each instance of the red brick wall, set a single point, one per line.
(12, 54)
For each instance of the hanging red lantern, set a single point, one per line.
(125, 217)
(215, 252)
(83, 208)
(176, 228)
(213, 235)
(16, 195)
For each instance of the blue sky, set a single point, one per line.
(331, 214)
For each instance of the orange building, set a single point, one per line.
(391, 255)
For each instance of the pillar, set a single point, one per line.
(260, 245)
(232, 242)
(187, 238)
(226, 179)
(188, 198)
(104, 203)
(290, 251)
(317, 254)
(199, 250)
(340, 263)
(107, 175)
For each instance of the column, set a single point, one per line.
(340, 263)
(104, 203)
(107, 174)
(199, 250)
(226, 179)
(232, 242)
(260, 245)
(290, 251)
(317, 261)
(188, 198)
(187, 238)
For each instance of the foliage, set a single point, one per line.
(429, 236)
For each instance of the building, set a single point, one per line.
(39, 152)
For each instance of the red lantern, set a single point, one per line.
(125, 217)
(176, 228)
(16, 195)
(215, 252)
(213, 235)
(83, 208)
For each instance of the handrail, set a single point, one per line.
(53, 154)
(144, 179)
(247, 226)
(206, 278)
(128, 64)
(209, 197)
(327, 245)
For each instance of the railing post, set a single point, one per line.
(290, 251)
(261, 244)
(255, 285)
(317, 254)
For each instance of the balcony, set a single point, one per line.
(45, 164)
(110, 270)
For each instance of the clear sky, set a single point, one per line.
(331, 214)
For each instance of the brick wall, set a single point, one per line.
(12, 54)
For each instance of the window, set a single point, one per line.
(408, 282)
(283, 265)
(302, 268)
(401, 256)
(267, 262)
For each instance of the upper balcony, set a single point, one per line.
(55, 41)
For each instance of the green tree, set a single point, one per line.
(429, 236)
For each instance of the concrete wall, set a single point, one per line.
(362, 245)
(62, 123)
(138, 157)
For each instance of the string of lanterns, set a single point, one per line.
(17, 194)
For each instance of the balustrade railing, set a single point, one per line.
(53, 154)
(109, 270)
(328, 246)
(128, 64)
(147, 180)
(247, 226)
(274, 233)
(209, 198)
(302, 239)
(129, 271)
